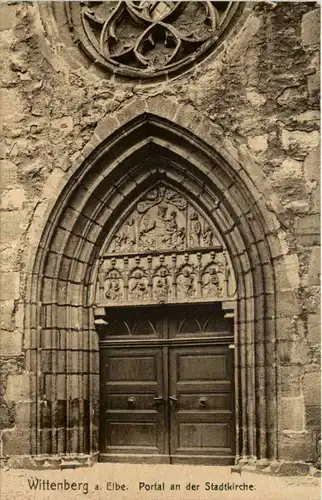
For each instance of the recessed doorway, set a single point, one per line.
(167, 386)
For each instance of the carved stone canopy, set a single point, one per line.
(164, 251)
(148, 38)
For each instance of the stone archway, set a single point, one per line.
(164, 306)
(63, 339)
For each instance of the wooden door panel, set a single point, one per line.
(196, 423)
(201, 416)
(135, 370)
(202, 367)
(132, 420)
(132, 434)
(208, 436)
(220, 401)
(202, 419)
(119, 401)
(221, 386)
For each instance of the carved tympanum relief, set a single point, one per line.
(164, 251)
(147, 38)
(162, 221)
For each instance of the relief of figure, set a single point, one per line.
(153, 232)
(147, 239)
(185, 285)
(172, 226)
(207, 236)
(139, 289)
(113, 290)
(194, 230)
(161, 286)
(180, 239)
(162, 232)
(161, 290)
(125, 240)
(211, 286)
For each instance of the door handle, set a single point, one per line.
(173, 401)
(158, 399)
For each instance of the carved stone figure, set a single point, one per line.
(159, 252)
(147, 239)
(194, 230)
(161, 287)
(163, 277)
(180, 238)
(112, 287)
(159, 222)
(139, 288)
(114, 291)
(207, 236)
(125, 240)
(153, 197)
(171, 225)
(211, 284)
(185, 284)
(160, 232)
(161, 290)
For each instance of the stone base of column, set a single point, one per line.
(49, 461)
(278, 467)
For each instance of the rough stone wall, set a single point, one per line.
(261, 92)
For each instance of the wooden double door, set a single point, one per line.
(168, 399)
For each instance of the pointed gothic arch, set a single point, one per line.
(145, 150)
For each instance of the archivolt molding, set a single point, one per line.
(173, 117)
(146, 152)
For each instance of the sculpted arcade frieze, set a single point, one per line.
(164, 251)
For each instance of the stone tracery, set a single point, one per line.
(147, 38)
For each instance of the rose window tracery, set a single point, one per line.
(148, 38)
